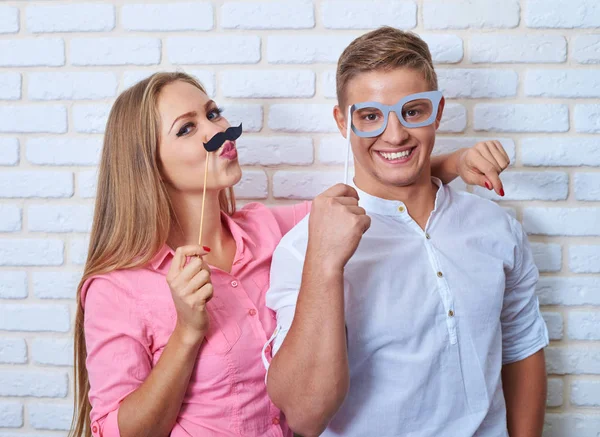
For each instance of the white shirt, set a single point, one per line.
(431, 316)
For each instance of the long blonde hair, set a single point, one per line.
(133, 213)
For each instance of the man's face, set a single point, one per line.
(399, 156)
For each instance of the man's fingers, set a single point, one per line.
(347, 201)
(341, 190)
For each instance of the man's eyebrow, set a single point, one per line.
(187, 114)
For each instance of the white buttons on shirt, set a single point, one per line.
(234, 284)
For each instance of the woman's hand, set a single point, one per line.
(191, 289)
(482, 164)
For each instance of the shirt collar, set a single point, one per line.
(241, 237)
(395, 208)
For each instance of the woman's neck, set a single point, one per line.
(215, 235)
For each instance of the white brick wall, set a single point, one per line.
(526, 72)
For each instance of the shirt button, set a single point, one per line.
(94, 429)
(268, 348)
(234, 284)
(450, 313)
(440, 274)
(275, 420)
(427, 236)
(401, 209)
(252, 312)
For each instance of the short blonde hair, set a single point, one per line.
(385, 48)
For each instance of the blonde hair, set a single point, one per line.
(133, 214)
(385, 48)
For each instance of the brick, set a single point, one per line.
(52, 351)
(167, 16)
(55, 184)
(11, 413)
(452, 144)
(78, 249)
(464, 14)
(585, 393)
(10, 218)
(205, 77)
(64, 151)
(454, 118)
(9, 151)
(306, 49)
(309, 117)
(87, 183)
(562, 221)
(275, 150)
(268, 83)
(584, 325)
(10, 85)
(445, 49)
(13, 284)
(568, 291)
(554, 323)
(521, 117)
(587, 118)
(587, 186)
(72, 85)
(12, 351)
(585, 49)
(70, 18)
(303, 184)
(90, 118)
(222, 49)
(548, 257)
(47, 384)
(561, 425)
(574, 360)
(60, 218)
(328, 84)
(267, 15)
(539, 49)
(34, 318)
(555, 392)
(115, 51)
(353, 14)
(251, 115)
(50, 416)
(31, 252)
(562, 83)
(562, 152)
(9, 19)
(33, 119)
(584, 258)
(547, 185)
(55, 285)
(32, 52)
(253, 185)
(332, 151)
(560, 14)
(480, 83)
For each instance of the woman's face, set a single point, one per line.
(189, 118)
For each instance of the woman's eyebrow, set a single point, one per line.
(187, 114)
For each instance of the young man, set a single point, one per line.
(407, 308)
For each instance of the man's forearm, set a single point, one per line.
(308, 377)
(525, 387)
(445, 167)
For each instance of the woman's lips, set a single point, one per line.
(228, 150)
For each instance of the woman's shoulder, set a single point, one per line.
(284, 217)
(114, 286)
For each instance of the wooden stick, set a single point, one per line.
(203, 199)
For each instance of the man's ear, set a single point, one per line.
(438, 119)
(340, 119)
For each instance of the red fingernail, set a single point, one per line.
(207, 249)
(502, 192)
(487, 185)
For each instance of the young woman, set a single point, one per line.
(169, 334)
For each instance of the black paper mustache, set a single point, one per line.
(231, 134)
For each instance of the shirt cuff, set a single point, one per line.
(109, 426)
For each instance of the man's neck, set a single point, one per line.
(419, 197)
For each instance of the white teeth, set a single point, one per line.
(398, 155)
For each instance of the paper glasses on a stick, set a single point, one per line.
(231, 134)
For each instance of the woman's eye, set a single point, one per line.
(214, 114)
(185, 129)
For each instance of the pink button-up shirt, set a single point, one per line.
(129, 317)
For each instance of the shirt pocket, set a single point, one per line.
(223, 331)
